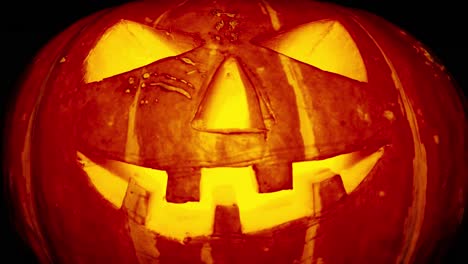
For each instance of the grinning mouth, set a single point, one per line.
(228, 187)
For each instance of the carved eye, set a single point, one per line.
(325, 44)
(128, 45)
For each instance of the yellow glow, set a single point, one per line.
(109, 185)
(352, 176)
(325, 44)
(230, 104)
(129, 45)
(226, 185)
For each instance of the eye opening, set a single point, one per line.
(128, 45)
(325, 44)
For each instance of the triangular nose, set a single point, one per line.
(231, 104)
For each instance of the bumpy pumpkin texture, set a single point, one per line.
(237, 132)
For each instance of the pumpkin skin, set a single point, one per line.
(413, 196)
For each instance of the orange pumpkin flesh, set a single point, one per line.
(236, 132)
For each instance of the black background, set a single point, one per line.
(26, 27)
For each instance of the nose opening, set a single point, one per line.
(230, 104)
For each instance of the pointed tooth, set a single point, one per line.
(227, 220)
(331, 191)
(227, 217)
(273, 177)
(183, 186)
(359, 170)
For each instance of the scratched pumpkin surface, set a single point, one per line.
(237, 132)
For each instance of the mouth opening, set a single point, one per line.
(209, 201)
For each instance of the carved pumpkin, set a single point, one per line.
(237, 132)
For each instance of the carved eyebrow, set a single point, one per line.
(172, 88)
(170, 83)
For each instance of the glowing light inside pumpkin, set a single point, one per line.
(325, 44)
(231, 104)
(226, 185)
(128, 45)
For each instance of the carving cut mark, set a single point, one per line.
(129, 45)
(226, 186)
(231, 104)
(136, 202)
(132, 146)
(325, 44)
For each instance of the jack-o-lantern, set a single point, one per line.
(237, 132)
